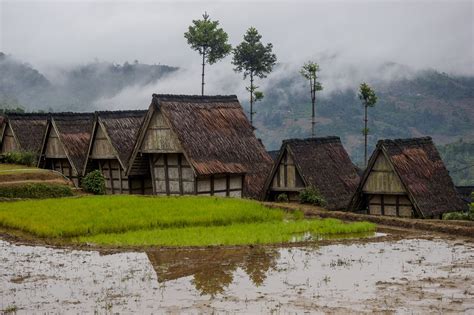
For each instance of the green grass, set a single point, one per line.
(164, 221)
(35, 191)
(235, 234)
(108, 214)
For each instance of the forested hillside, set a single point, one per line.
(417, 104)
(459, 159)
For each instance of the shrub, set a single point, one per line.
(468, 215)
(35, 190)
(94, 182)
(282, 197)
(20, 157)
(312, 196)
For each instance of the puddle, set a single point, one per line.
(308, 236)
(405, 276)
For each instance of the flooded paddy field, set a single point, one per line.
(389, 275)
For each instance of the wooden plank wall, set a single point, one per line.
(115, 180)
(171, 174)
(9, 144)
(101, 147)
(63, 166)
(382, 179)
(54, 149)
(159, 137)
(220, 185)
(287, 175)
(390, 205)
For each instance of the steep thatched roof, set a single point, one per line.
(274, 154)
(217, 137)
(28, 129)
(418, 164)
(122, 129)
(324, 164)
(74, 131)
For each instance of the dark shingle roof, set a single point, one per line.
(29, 129)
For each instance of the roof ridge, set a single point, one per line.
(326, 139)
(405, 141)
(201, 98)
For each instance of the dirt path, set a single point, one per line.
(460, 228)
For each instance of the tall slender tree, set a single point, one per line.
(209, 40)
(368, 99)
(310, 72)
(253, 59)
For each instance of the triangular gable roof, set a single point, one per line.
(322, 163)
(28, 129)
(74, 131)
(121, 129)
(216, 137)
(417, 163)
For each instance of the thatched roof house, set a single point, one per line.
(113, 138)
(319, 162)
(200, 145)
(406, 177)
(66, 142)
(23, 132)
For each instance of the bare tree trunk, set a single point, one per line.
(365, 137)
(251, 99)
(313, 101)
(203, 64)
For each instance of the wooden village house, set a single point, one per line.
(199, 145)
(406, 178)
(65, 144)
(322, 163)
(113, 139)
(22, 132)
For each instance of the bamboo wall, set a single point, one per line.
(9, 144)
(101, 147)
(223, 185)
(159, 138)
(54, 148)
(391, 205)
(63, 166)
(382, 179)
(287, 176)
(171, 174)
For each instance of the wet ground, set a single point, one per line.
(426, 275)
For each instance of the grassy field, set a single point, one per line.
(8, 167)
(173, 221)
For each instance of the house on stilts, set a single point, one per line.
(200, 145)
(322, 163)
(113, 138)
(406, 178)
(22, 132)
(65, 144)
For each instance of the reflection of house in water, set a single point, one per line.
(213, 268)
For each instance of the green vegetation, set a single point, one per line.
(235, 234)
(282, 197)
(20, 157)
(94, 182)
(459, 160)
(9, 167)
(468, 215)
(35, 191)
(173, 221)
(312, 196)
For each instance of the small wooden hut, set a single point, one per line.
(113, 138)
(406, 178)
(22, 132)
(322, 163)
(200, 145)
(65, 144)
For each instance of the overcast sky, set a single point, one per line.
(416, 33)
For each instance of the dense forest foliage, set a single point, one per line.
(459, 159)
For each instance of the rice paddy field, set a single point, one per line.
(165, 221)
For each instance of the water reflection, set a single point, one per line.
(213, 269)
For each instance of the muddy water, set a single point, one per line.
(404, 276)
